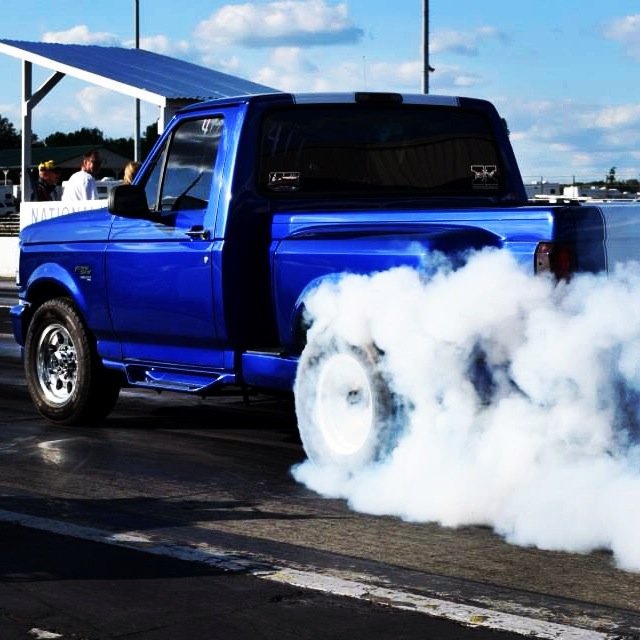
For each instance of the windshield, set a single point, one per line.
(381, 149)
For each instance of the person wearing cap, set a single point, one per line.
(47, 187)
(82, 184)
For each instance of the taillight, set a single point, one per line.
(556, 258)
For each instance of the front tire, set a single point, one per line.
(66, 380)
(347, 415)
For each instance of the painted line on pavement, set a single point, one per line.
(231, 561)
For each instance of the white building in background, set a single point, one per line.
(579, 192)
(543, 188)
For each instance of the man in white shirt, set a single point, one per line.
(82, 184)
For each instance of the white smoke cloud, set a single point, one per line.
(548, 454)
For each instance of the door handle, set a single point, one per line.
(198, 232)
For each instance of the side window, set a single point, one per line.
(152, 184)
(182, 175)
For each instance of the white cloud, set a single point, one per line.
(616, 117)
(560, 147)
(403, 76)
(465, 43)
(11, 111)
(80, 34)
(626, 31)
(111, 112)
(582, 159)
(284, 22)
(451, 78)
(290, 59)
(572, 120)
(289, 70)
(161, 44)
(228, 65)
(91, 100)
(566, 138)
(92, 106)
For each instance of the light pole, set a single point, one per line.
(425, 47)
(426, 67)
(136, 137)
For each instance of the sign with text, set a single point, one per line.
(31, 212)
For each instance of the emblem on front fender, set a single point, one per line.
(83, 272)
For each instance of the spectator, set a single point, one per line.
(47, 185)
(82, 184)
(130, 170)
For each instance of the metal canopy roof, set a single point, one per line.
(135, 72)
(166, 82)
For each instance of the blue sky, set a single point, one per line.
(564, 74)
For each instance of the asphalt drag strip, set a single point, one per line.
(59, 580)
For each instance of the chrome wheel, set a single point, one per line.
(348, 416)
(345, 411)
(57, 364)
(66, 379)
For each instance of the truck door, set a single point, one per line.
(159, 269)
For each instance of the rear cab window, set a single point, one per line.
(425, 150)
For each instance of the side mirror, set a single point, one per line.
(128, 201)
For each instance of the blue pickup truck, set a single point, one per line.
(194, 278)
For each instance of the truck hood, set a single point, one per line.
(84, 226)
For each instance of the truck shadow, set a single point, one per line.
(224, 412)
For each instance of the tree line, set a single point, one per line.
(10, 138)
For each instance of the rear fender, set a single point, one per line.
(304, 261)
(453, 245)
(457, 243)
(299, 320)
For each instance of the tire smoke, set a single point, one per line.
(523, 398)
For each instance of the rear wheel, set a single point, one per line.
(65, 377)
(347, 414)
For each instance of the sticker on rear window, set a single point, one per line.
(485, 176)
(284, 180)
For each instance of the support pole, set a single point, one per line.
(25, 180)
(30, 99)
